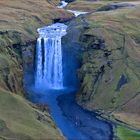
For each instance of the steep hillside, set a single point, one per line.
(21, 121)
(109, 73)
(19, 20)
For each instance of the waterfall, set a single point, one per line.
(49, 68)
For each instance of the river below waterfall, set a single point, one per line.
(74, 122)
(50, 88)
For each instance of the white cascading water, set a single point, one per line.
(49, 70)
(62, 4)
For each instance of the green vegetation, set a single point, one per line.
(18, 120)
(113, 37)
(92, 6)
(111, 51)
(127, 134)
(87, 6)
(18, 24)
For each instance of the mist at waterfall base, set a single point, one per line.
(62, 83)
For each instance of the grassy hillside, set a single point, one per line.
(20, 121)
(92, 6)
(126, 134)
(19, 20)
(109, 73)
(83, 5)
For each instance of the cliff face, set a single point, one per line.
(18, 23)
(109, 74)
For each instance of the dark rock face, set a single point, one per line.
(102, 73)
(71, 53)
(62, 20)
(28, 58)
(93, 42)
(11, 68)
(19, 58)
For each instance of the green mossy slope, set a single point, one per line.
(127, 134)
(109, 73)
(20, 121)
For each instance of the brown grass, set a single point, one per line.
(26, 16)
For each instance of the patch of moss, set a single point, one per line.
(127, 134)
